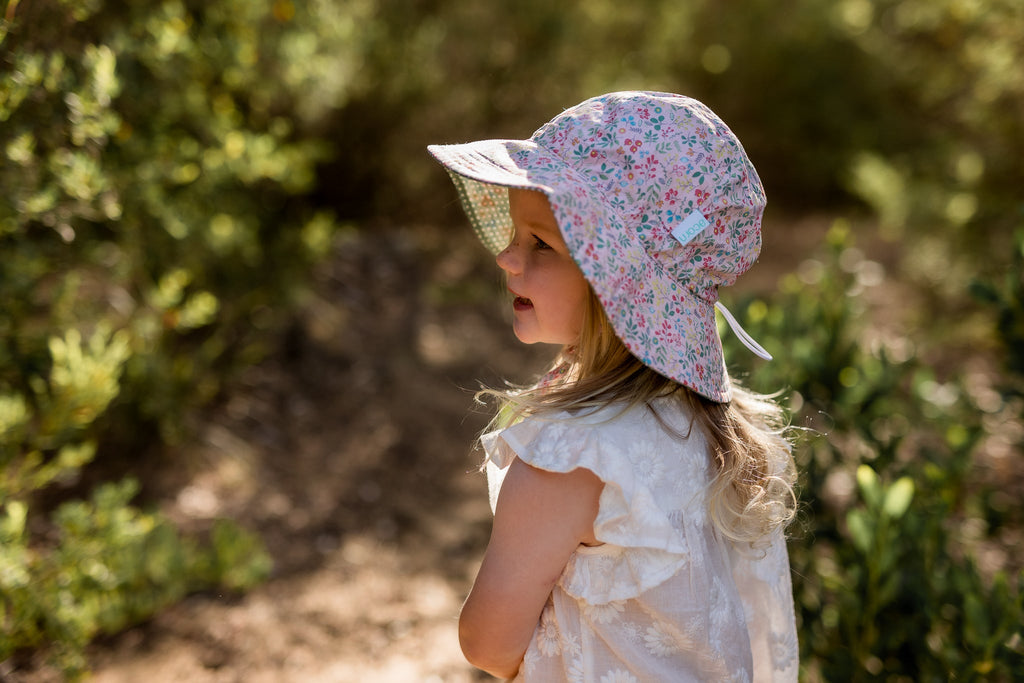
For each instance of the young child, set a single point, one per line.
(639, 496)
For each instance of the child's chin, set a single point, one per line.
(526, 335)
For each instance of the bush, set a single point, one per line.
(170, 171)
(156, 230)
(884, 580)
(110, 566)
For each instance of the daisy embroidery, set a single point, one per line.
(660, 641)
(619, 676)
(784, 649)
(575, 674)
(548, 637)
(550, 448)
(571, 645)
(530, 661)
(603, 614)
(646, 463)
(632, 632)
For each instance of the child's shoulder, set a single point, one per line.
(661, 418)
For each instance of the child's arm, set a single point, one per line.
(540, 519)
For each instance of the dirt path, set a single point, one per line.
(349, 454)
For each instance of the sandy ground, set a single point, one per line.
(350, 454)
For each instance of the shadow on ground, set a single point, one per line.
(350, 454)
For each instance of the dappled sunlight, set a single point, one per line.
(236, 287)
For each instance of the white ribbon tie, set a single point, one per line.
(741, 333)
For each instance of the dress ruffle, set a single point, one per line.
(644, 545)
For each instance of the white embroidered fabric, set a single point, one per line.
(665, 598)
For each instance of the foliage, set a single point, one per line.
(110, 566)
(151, 160)
(884, 580)
(1004, 292)
(158, 162)
(172, 170)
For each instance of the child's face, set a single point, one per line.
(549, 289)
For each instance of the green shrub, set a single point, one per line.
(884, 580)
(111, 565)
(156, 229)
(1003, 292)
(169, 171)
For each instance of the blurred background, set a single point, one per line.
(243, 318)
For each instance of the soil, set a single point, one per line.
(349, 452)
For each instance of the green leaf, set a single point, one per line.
(870, 489)
(976, 617)
(898, 497)
(862, 529)
(13, 525)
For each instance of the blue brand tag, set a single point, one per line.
(690, 227)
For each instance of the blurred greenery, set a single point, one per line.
(172, 173)
(893, 493)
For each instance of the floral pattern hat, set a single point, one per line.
(659, 206)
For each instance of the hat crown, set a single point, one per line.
(666, 163)
(658, 204)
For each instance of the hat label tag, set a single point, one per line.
(691, 226)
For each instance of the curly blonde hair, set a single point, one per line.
(752, 493)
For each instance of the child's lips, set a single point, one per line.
(521, 303)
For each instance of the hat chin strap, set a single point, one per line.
(741, 333)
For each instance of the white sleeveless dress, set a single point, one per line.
(666, 598)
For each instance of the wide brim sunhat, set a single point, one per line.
(658, 204)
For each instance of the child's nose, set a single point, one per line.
(509, 259)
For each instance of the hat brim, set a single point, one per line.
(633, 291)
(482, 171)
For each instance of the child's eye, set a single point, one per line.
(540, 244)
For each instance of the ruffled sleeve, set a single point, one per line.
(646, 543)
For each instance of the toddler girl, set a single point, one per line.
(639, 496)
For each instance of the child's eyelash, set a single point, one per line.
(541, 244)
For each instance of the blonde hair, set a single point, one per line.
(752, 493)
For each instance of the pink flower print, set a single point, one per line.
(645, 114)
(650, 167)
(665, 332)
(633, 145)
